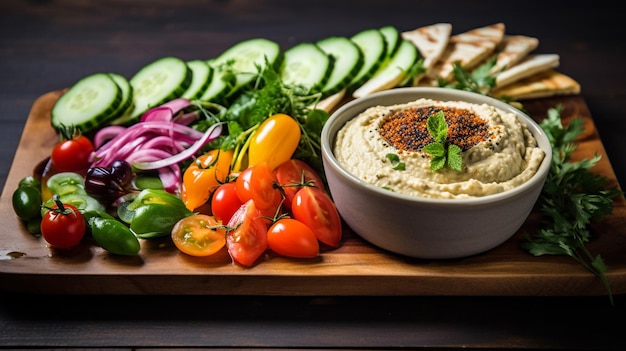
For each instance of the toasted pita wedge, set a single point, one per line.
(529, 66)
(330, 102)
(543, 84)
(431, 41)
(468, 48)
(512, 50)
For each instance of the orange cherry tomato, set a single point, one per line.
(292, 175)
(274, 141)
(317, 210)
(246, 236)
(203, 176)
(292, 238)
(199, 235)
(258, 183)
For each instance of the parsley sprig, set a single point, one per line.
(572, 198)
(442, 154)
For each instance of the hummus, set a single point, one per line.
(498, 151)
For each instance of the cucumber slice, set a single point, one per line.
(393, 73)
(88, 103)
(307, 66)
(347, 61)
(246, 59)
(374, 47)
(126, 106)
(392, 38)
(158, 82)
(201, 74)
(222, 82)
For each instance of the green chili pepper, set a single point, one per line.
(155, 212)
(114, 236)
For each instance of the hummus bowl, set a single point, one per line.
(429, 226)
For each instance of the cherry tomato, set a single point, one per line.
(258, 183)
(72, 153)
(199, 235)
(63, 226)
(292, 238)
(290, 176)
(225, 201)
(317, 210)
(274, 141)
(203, 176)
(246, 236)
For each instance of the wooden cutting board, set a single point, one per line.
(356, 268)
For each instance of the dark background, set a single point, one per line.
(49, 45)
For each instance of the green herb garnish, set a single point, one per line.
(571, 199)
(395, 162)
(442, 155)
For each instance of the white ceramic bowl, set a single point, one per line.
(421, 227)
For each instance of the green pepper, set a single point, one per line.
(155, 212)
(114, 236)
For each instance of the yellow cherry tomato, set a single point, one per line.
(274, 141)
(203, 176)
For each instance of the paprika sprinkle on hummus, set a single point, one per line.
(406, 129)
(498, 151)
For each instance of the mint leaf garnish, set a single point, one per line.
(442, 155)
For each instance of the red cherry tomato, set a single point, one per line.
(225, 202)
(63, 226)
(292, 238)
(72, 154)
(317, 210)
(199, 235)
(246, 238)
(258, 183)
(290, 176)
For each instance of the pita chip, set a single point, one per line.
(529, 66)
(512, 50)
(468, 48)
(543, 84)
(431, 41)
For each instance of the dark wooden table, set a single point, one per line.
(47, 45)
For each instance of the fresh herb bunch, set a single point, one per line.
(572, 198)
(442, 154)
(270, 96)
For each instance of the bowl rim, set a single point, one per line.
(446, 94)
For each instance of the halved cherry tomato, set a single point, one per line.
(317, 210)
(274, 141)
(225, 201)
(73, 152)
(199, 235)
(258, 183)
(292, 174)
(246, 236)
(63, 226)
(292, 238)
(203, 176)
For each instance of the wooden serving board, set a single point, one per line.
(356, 268)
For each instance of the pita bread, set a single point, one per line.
(512, 50)
(543, 84)
(468, 48)
(431, 41)
(529, 66)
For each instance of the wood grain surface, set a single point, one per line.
(356, 268)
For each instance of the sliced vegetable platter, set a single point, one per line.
(354, 268)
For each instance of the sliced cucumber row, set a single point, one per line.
(371, 60)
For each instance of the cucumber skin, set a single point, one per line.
(333, 46)
(366, 71)
(60, 115)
